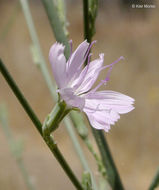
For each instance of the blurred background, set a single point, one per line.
(120, 31)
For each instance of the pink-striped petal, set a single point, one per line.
(107, 100)
(71, 99)
(89, 75)
(103, 108)
(58, 63)
(76, 60)
(102, 119)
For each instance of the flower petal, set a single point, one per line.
(89, 75)
(71, 99)
(102, 119)
(107, 100)
(58, 62)
(76, 60)
(103, 108)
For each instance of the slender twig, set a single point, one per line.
(51, 86)
(11, 21)
(86, 20)
(53, 146)
(155, 181)
(25, 174)
(83, 133)
(112, 174)
(36, 44)
(20, 97)
(86, 181)
(79, 150)
(15, 147)
(56, 25)
(90, 8)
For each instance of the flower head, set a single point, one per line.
(75, 85)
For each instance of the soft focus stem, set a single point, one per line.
(11, 21)
(16, 148)
(112, 173)
(86, 181)
(90, 12)
(83, 133)
(49, 141)
(56, 25)
(79, 150)
(20, 97)
(25, 174)
(155, 181)
(36, 45)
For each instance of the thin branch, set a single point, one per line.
(90, 13)
(56, 25)
(52, 144)
(155, 181)
(112, 173)
(11, 21)
(86, 20)
(16, 147)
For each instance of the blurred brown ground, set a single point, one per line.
(133, 140)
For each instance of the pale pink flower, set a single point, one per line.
(75, 83)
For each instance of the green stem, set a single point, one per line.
(51, 86)
(79, 150)
(86, 181)
(86, 20)
(155, 181)
(20, 97)
(112, 173)
(25, 174)
(56, 25)
(100, 164)
(83, 133)
(10, 22)
(36, 44)
(52, 144)
(55, 117)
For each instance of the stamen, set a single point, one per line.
(107, 76)
(98, 86)
(104, 67)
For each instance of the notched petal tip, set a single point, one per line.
(56, 51)
(56, 47)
